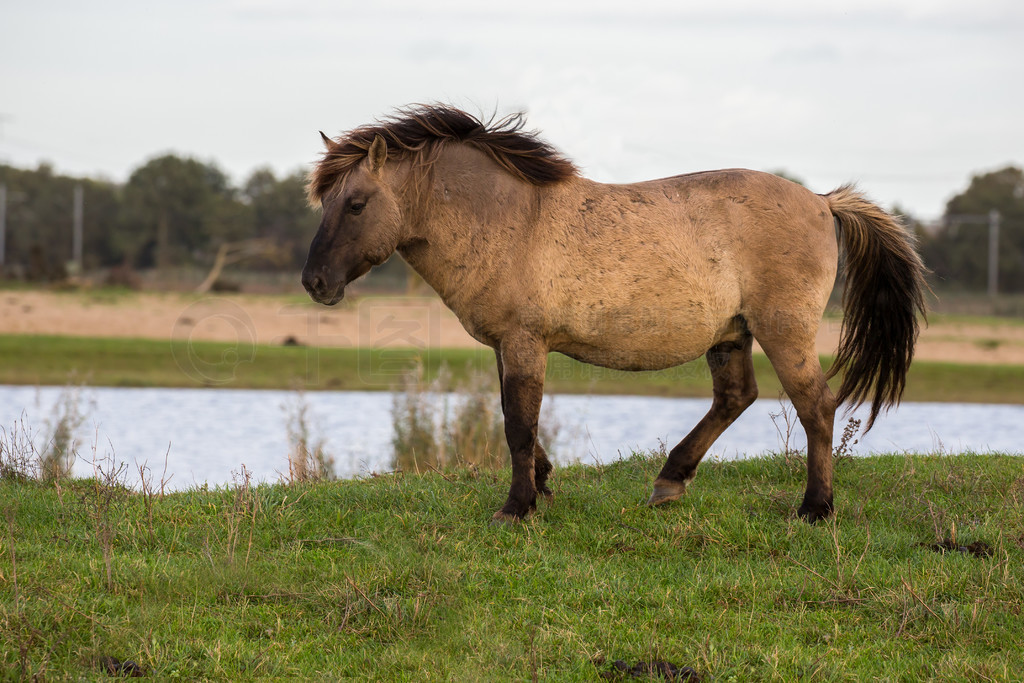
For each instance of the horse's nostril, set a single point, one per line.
(313, 284)
(317, 283)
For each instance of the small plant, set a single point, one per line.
(106, 503)
(19, 460)
(61, 446)
(474, 434)
(308, 460)
(441, 423)
(244, 508)
(415, 420)
(843, 451)
(148, 491)
(785, 424)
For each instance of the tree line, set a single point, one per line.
(957, 248)
(172, 211)
(175, 211)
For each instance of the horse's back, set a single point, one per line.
(777, 236)
(782, 241)
(657, 271)
(707, 232)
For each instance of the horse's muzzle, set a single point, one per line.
(319, 291)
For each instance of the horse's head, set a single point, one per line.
(359, 229)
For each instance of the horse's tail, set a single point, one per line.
(884, 295)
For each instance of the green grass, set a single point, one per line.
(974, 319)
(50, 360)
(401, 577)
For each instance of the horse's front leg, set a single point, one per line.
(541, 465)
(523, 360)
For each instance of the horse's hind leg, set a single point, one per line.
(541, 471)
(732, 371)
(792, 353)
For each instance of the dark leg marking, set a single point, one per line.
(541, 470)
(541, 465)
(732, 371)
(804, 383)
(522, 389)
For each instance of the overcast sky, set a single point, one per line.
(908, 98)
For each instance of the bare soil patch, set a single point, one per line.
(399, 322)
(976, 549)
(650, 670)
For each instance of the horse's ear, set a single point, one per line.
(328, 143)
(378, 154)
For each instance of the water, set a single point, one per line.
(206, 434)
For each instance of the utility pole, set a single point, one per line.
(993, 253)
(76, 239)
(3, 207)
(3, 226)
(992, 218)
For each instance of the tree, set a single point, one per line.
(39, 210)
(175, 207)
(280, 212)
(958, 252)
(787, 175)
(235, 252)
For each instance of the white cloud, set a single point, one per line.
(910, 95)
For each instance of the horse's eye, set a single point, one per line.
(356, 208)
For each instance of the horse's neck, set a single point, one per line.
(472, 225)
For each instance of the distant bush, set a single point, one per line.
(442, 423)
(20, 457)
(123, 276)
(308, 459)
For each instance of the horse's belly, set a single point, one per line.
(638, 340)
(625, 359)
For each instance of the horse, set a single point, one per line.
(534, 258)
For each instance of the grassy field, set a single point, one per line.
(401, 577)
(52, 360)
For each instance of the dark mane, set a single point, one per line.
(418, 131)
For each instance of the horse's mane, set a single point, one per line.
(418, 132)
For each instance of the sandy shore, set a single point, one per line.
(372, 321)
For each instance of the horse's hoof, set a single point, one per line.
(501, 518)
(814, 512)
(666, 491)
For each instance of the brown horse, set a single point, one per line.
(534, 258)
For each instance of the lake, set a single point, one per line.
(208, 434)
